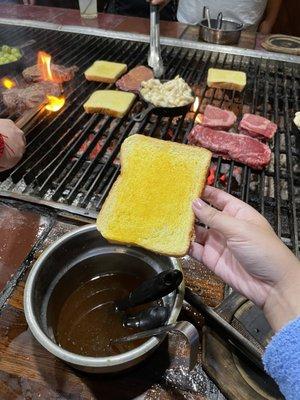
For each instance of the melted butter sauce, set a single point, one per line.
(88, 320)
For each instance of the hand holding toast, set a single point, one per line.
(242, 248)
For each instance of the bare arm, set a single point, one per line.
(272, 11)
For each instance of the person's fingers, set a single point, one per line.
(219, 199)
(196, 251)
(232, 206)
(201, 234)
(225, 224)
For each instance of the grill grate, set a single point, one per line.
(72, 157)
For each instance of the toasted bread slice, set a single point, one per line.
(105, 71)
(109, 102)
(226, 79)
(150, 204)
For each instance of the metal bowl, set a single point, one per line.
(82, 248)
(229, 33)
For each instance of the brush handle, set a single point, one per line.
(153, 289)
(149, 319)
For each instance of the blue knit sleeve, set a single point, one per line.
(282, 359)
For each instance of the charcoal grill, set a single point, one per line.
(58, 172)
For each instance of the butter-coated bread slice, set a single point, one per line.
(105, 71)
(109, 102)
(226, 79)
(150, 204)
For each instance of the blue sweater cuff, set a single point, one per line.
(282, 359)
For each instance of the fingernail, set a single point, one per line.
(198, 203)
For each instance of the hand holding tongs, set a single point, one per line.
(154, 57)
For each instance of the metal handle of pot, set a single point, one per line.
(192, 336)
(142, 115)
(183, 327)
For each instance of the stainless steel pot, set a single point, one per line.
(229, 33)
(70, 253)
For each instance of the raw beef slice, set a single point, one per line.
(257, 126)
(131, 82)
(237, 147)
(215, 117)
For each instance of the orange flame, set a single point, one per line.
(196, 104)
(8, 83)
(44, 66)
(54, 103)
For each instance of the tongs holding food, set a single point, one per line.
(154, 57)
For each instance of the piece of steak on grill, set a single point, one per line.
(257, 126)
(59, 72)
(237, 147)
(131, 82)
(215, 117)
(22, 99)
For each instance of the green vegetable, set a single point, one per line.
(5, 48)
(9, 54)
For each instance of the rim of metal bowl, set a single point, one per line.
(239, 27)
(78, 359)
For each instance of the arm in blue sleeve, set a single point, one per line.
(282, 359)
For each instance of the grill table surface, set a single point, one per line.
(53, 173)
(54, 170)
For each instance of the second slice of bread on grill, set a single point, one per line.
(105, 71)
(226, 79)
(150, 204)
(109, 102)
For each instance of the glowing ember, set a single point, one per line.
(8, 83)
(199, 119)
(44, 65)
(196, 104)
(54, 103)
(211, 177)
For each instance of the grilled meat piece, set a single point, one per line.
(22, 99)
(215, 117)
(59, 72)
(131, 82)
(257, 126)
(237, 147)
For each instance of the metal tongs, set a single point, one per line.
(154, 57)
(206, 15)
(183, 327)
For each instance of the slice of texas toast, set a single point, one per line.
(105, 71)
(150, 204)
(109, 102)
